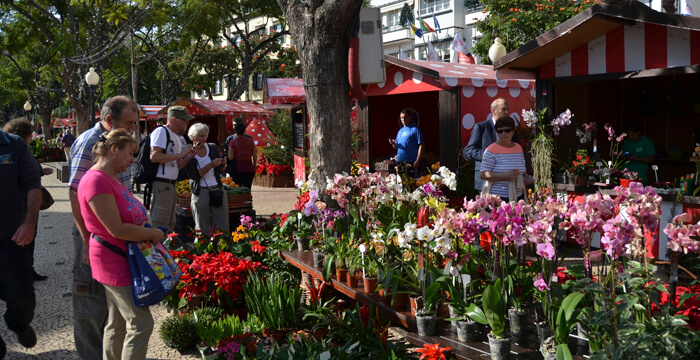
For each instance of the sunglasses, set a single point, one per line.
(501, 131)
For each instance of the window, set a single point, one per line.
(428, 7)
(218, 87)
(392, 21)
(258, 79)
(276, 28)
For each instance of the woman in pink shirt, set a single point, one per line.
(114, 216)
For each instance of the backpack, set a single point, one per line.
(145, 171)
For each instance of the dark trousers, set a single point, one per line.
(16, 284)
(243, 179)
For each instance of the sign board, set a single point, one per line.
(299, 169)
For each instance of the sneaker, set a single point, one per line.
(38, 277)
(27, 337)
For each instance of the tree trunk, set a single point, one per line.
(46, 125)
(319, 29)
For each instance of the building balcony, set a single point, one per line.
(396, 34)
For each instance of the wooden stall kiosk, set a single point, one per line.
(614, 65)
(218, 115)
(449, 98)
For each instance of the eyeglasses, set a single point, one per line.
(501, 131)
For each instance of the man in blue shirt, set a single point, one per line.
(20, 181)
(409, 139)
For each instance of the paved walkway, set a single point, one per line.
(53, 320)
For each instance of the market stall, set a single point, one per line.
(219, 114)
(449, 99)
(615, 65)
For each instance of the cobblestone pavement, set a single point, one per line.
(53, 320)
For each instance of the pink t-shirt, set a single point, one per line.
(108, 267)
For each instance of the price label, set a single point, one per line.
(466, 279)
(555, 279)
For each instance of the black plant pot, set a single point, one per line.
(302, 242)
(518, 322)
(500, 348)
(426, 325)
(319, 257)
(466, 331)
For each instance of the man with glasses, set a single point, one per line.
(483, 135)
(172, 156)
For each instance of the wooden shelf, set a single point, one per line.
(304, 261)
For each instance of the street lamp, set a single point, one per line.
(27, 109)
(91, 78)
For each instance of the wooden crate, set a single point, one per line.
(239, 198)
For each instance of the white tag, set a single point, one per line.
(454, 271)
(363, 248)
(325, 356)
(555, 278)
(420, 274)
(466, 279)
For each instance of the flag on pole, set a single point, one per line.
(458, 44)
(432, 53)
(437, 25)
(402, 55)
(414, 30)
(424, 26)
(686, 9)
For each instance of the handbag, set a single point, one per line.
(154, 272)
(216, 197)
(46, 199)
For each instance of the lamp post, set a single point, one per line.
(91, 78)
(27, 109)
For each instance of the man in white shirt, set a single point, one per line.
(172, 156)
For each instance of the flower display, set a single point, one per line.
(582, 164)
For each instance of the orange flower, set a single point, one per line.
(485, 241)
(514, 19)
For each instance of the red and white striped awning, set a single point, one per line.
(150, 112)
(628, 48)
(609, 39)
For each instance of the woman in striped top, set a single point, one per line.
(503, 160)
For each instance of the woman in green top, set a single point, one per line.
(639, 151)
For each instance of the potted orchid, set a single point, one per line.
(542, 145)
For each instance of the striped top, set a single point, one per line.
(498, 158)
(81, 157)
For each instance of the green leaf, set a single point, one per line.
(563, 352)
(475, 313)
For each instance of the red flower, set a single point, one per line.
(433, 352)
(485, 241)
(256, 247)
(364, 316)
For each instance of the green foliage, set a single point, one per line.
(281, 126)
(494, 310)
(179, 332)
(229, 326)
(406, 13)
(518, 21)
(273, 300)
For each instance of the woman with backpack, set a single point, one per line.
(209, 201)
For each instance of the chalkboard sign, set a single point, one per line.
(299, 136)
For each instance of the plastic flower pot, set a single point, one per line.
(518, 322)
(302, 242)
(543, 331)
(370, 284)
(341, 274)
(352, 280)
(466, 331)
(425, 325)
(319, 257)
(500, 348)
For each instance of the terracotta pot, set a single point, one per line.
(416, 304)
(352, 280)
(385, 298)
(400, 301)
(341, 274)
(370, 284)
(581, 180)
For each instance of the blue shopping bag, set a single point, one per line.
(154, 273)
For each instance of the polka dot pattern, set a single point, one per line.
(468, 121)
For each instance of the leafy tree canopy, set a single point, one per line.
(518, 21)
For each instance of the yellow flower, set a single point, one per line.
(240, 228)
(408, 255)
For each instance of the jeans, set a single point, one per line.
(89, 306)
(16, 284)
